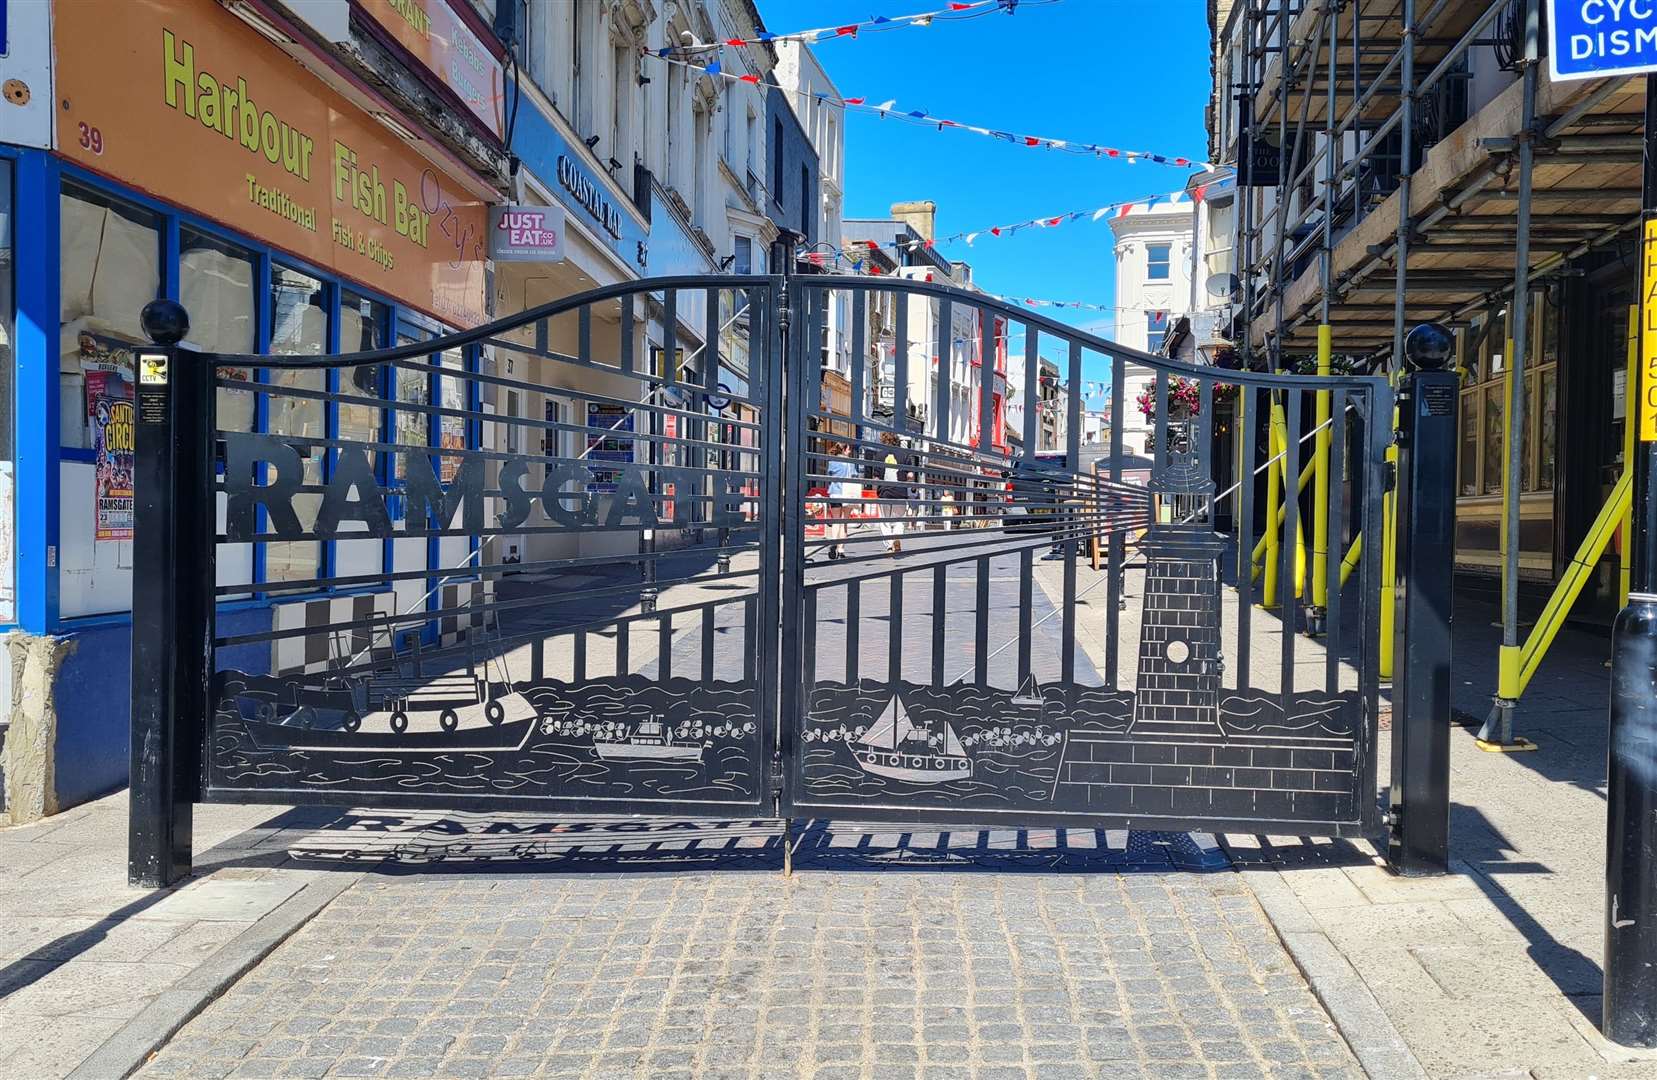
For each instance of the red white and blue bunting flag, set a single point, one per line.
(891, 110)
(951, 12)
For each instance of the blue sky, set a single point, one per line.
(1126, 73)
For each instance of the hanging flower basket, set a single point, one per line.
(1183, 399)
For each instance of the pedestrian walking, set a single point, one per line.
(844, 493)
(894, 492)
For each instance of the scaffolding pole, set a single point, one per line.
(1497, 731)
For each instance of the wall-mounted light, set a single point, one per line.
(614, 164)
(644, 80)
(591, 141)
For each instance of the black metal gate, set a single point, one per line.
(580, 559)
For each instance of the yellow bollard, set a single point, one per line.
(1280, 424)
(1268, 598)
(1389, 566)
(1320, 493)
(1260, 545)
(1350, 563)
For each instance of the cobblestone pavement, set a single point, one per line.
(852, 972)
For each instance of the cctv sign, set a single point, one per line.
(1591, 39)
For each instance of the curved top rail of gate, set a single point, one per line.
(505, 324)
(1046, 324)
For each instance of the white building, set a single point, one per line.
(816, 102)
(1153, 292)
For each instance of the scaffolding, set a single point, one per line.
(1400, 197)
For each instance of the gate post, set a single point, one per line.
(1419, 836)
(171, 598)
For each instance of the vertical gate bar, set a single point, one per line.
(581, 656)
(782, 528)
(750, 639)
(940, 611)
(664, 647)
(710, 484)
(1337, 541)
(710, 345)
(1248, 407)
(624, 664)
(541, 332)
(1073, 458)
(894, 631)
(1290, 601)
(900, 362)
(538, 659)
(1377, 436)
(1203, 443)
(670, 337)
(1118, 542)
(1026, 599)
(808, 645)
(583, 333)
(859, 358)
(626, 334)
(981, 624)
(945, 343)
(1159, 454)
(854, 624)
(707, 643)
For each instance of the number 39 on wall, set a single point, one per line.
(91, 138)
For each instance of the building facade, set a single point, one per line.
(1154, 246)
(343, 156)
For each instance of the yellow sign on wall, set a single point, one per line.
(1648, 333)
(186, 102)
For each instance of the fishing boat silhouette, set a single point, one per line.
(901, 748)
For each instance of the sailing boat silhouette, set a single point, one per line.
(1029, 693)
(900, 748)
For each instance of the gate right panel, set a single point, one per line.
(1081, 622)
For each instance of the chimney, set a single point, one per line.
(917, 215)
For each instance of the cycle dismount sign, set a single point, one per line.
(1591, 39)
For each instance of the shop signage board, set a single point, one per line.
(1592, 39)
(436, 35)
(526, 233)
(109, 414)
(272, 152)
(1648, 334)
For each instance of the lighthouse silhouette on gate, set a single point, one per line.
(1178, 691)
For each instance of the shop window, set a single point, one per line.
(1468, 483)
(1484, 358)
(298, 327)
(215, 283)
(1156, 330)
(413, 387)
(451, 428)
(110, 261)
(8, 367)
(361, 328)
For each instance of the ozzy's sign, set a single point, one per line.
(354, 494)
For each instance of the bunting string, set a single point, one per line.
(952, 12)
(891, 109)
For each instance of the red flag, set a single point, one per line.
(851, 101)
(995, 231)
(929, 245)
(1182, 161)
(947, 123)
(872, 245)
(1125, 209)
(875, 270)
(1112, 153)
(1053, 221)
(957, 6)
(750, 78)
(1198, 193)
(1030, 140)
(846, 31)
(738, 42)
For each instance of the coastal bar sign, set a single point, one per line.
(526, 233)
(1592, 39)
(589, 194)
(181, 99)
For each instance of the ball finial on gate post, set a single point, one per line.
(165, 321)
(1428, 347)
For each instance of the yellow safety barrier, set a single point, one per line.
(1268, 596)
(1389, 568)
(1350, 563)
(1516, 672)
(1260, 545)
(1320, 493)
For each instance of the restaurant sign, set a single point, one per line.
(146, 85)
(526, 233)
(436, 35)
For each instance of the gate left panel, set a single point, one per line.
(525, 566)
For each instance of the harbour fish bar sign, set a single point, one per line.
(526, 233)
(1591, 39)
